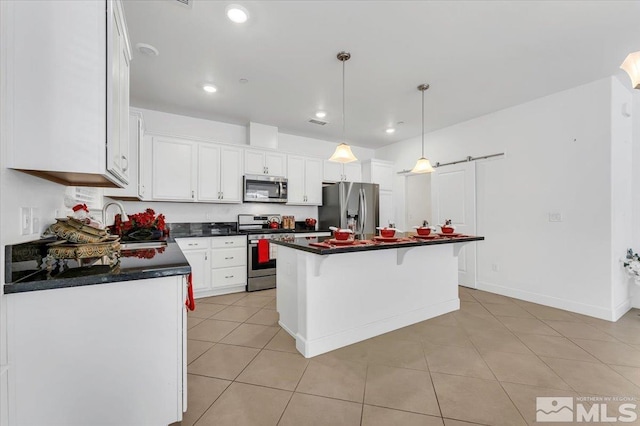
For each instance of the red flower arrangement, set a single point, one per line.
(146, 220)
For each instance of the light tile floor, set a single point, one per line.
(484, 364)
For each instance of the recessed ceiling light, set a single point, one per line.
(321, 114)
(390, 130)
(243, 81)
(237, 13)
(147, 49)
(209, 88)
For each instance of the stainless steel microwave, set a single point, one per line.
(265, 189)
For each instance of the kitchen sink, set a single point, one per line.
(139, 245)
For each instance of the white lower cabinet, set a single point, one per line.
(111, 354)
(218, 264)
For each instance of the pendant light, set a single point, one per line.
(631, 65)
(343, 152)
(423, 165)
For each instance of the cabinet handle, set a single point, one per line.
(190, 244)
(206, 257)
(229, 258)
(228, 276)
(222, 195)
(125, 168)
(228, 242)
(193, 194)
(267, 170)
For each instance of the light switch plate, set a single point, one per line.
(35, 220)
(25, 221)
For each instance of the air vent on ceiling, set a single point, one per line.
(318, 122)
(185, 2)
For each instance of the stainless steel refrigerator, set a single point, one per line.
(350, 205)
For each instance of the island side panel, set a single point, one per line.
(287, 285)
(349, 297)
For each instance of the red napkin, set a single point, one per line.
(321, 245)
(263, 251)
(190, 303)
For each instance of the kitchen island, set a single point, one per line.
(332, 296)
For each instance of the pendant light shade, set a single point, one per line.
(343, 152)
(423, 165)
(631, 65)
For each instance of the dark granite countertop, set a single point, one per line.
(24, 267)
(304, 244)
(223, 229)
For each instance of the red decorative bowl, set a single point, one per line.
(447, 230)
(387, 233)
(341, 235)
(423, 231)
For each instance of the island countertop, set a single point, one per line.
(322, 245)
(24, 270)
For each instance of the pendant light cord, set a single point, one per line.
(343, 96)
(422, 123)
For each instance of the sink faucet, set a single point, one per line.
(123, 215)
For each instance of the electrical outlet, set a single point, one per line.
(208, 216)
(35, 220)
(555, 217)
(495, 267)
(25, 221)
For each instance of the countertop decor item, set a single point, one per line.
(140, 226)
(75, 231)
(631, 264)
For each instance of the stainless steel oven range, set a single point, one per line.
(261, 273)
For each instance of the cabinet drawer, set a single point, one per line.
(193, 243)
(226, 242)
(224, 258)
(229, 276)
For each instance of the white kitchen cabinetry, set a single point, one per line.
(268, 163)
(304, 181)
(380, 172)
(173, 174)
(218, 173)
(218, 264)
(66, 70)
(132, 190)
(186, 170)
(110, 353)
(197, 252)
(336, 172)
(385, 208)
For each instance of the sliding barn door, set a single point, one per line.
(453, 196)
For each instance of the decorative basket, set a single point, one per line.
(75, 231)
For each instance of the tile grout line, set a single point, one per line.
(433, 385)
(364, 393)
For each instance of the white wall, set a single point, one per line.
(558, 160)
(635, 244)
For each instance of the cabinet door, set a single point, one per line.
(353, 172)
(332, 171)
(254, 163)
(200, 263)
(313, 181)
(113, 107)
(132, 189)
(230, 175)
(386, 211)
(172, 169)
(208, 172)
(275, 164)
(382, 174)
(123, 108)
(296, 186)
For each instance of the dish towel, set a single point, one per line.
(263, 251)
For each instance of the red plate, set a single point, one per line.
(426, 237)
(340, 242)
(450, 235)
(386, 239)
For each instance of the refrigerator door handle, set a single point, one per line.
(365, 218)
(361, 212)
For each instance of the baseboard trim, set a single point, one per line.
(555, 302)
(221, 290)
(311, 348)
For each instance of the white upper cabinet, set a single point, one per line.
(304, 180)
(380, 172)
(172, 169)
(219, 177)
(132, 190)
(187, 170)
(336, 172)
(66, 70)
(268, 163)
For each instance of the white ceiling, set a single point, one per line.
(478, 57)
